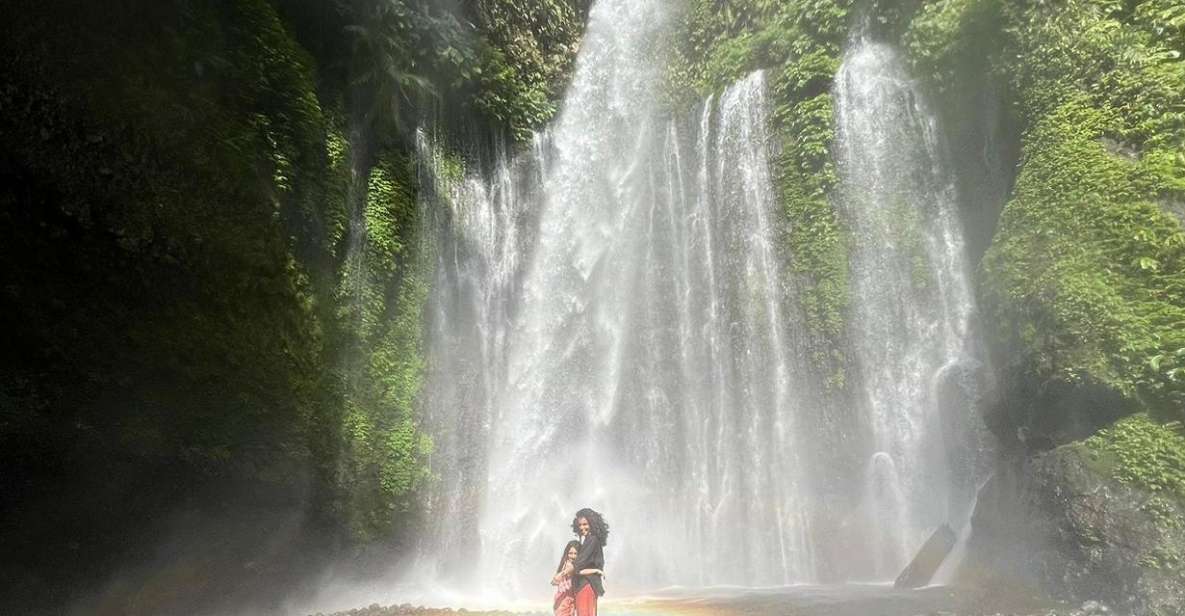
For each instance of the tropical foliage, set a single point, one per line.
(506, 61)
(1146, 453)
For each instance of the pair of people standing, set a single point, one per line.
(579, 579)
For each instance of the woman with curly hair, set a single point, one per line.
(593, 532)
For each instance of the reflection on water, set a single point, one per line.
(845, 600)
(839, 600)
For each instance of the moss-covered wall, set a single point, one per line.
(166, 189)
(214, 280)
(1083, 281)
(501, 64)
(531, 47)
(380, 301)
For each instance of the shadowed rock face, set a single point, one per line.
(1054, 522)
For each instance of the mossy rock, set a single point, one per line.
(1062, 522)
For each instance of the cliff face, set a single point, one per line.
(1080, 287)
(214, 277)
(1081, 281)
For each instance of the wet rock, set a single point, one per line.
(921, 569)
(1055, 522)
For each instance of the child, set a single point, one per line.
(565, 598)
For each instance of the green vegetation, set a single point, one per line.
(380, 302)
(168, 191)
(1104, 297)
(1143, 452)
(502, 61)
(1083, 284)
(1149, 455)
(529, 54)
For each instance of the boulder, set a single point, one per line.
(921, 569)
(1056, 522)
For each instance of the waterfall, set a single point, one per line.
(614, 324)
(910, 323)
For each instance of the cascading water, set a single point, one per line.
(911, 318)
(613, 325)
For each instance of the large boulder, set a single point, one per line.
(1057, 521)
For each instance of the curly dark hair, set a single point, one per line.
(597, 524)
(564, 556)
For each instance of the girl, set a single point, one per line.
(565, 597)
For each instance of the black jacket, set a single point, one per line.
(590, 556)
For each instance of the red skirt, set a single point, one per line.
(565, 604)
(586, 601)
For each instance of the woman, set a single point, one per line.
(594, 534)
(565, 597)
